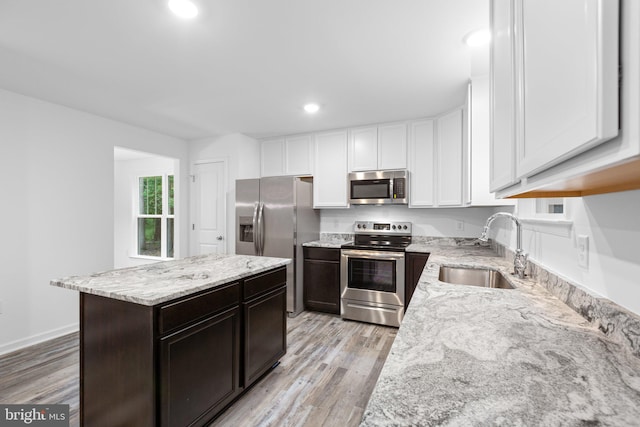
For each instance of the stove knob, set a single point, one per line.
(405, 227)
(359, 226)
(393, 227)
(364, 226)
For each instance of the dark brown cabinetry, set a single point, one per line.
(265, 324)
(414, 264)
(179, 363)
(322, 279)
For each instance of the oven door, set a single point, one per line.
(372, 286)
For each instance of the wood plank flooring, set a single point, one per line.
(325, 378)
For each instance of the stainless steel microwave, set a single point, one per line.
(379, 187)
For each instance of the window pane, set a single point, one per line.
(149, 232)
(170, 184)
(550, 205)
(151, 195)
(170, 237)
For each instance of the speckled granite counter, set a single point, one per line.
(153, 284)
(469, 356)
(330, 241)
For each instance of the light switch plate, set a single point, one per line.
(583, 251)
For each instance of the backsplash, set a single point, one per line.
(616, 322)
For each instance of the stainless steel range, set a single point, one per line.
(372, 272)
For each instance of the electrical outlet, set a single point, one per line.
(583, 251)
(460, 225)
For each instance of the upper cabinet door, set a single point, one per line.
(330, 177)
(363, 149)
(422, 148)
(502, 96)
(298, 152)
(568, 75)
(450, 159)
(392, 146)
(272, 157)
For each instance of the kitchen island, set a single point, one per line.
(175, 342)
(466, 355)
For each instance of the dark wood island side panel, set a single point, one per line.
(182, 362)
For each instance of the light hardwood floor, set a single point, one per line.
(325, 378)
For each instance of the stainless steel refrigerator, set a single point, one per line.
(274, 217)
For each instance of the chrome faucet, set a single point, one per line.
(520, 260)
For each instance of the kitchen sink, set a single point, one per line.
(474, 277)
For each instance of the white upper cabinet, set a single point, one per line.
(502, 96)
(438, 161)
(450, 159)
(330, 177)
(554, 85)
(567, 70)
(363, 148)
(272, 157)
(298, 155)
(378, 147)
(292, 155)
(422, 152)
(392, 146)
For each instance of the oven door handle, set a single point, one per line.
(372, 254)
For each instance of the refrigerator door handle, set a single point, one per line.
(256, 231)
(261, 228)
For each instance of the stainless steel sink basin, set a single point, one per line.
(474, 277)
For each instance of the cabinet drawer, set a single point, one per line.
(323, 254)
(179, 313)
(264, 282)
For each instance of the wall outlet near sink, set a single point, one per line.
(460, 225)
(583, 251)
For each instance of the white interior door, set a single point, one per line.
(208, 209)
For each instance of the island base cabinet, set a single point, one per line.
(199, 370)
(415, 263)
(265, 332)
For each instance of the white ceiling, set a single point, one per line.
(243, 66)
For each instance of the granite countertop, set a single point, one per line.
(332, 243)
(467, 355)
(156, 283)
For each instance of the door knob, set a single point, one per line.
(219, 238)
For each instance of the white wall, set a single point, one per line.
(426, 222)
(611, 223)
(126, 173)
(56, 170)
(242, 154)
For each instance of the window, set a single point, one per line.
(155, 216)
(552, 206)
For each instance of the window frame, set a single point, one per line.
(164, 217)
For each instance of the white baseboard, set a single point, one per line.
(38, 338)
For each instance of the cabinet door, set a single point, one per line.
(392, 146)
(421, 163)
(568, 76)
(502, 92)
(450, 159)
(272, 157)
(199, 369)
(265, 333)
(322, 279)
(330, 175)
(363, 149)
(298, 153)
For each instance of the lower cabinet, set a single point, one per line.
(265, 333)
(181, 362)
(414, 264)
(322, 279)
(199, 369)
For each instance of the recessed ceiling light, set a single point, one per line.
(477, 38)
(183, 8)
(311, 108)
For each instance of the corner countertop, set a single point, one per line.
(466, 355)
(164, 281)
